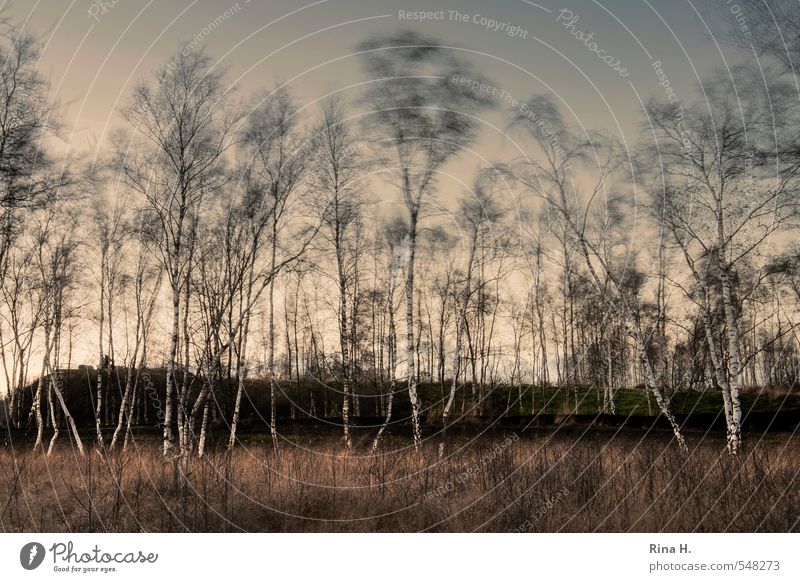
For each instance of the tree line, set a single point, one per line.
(224, 239)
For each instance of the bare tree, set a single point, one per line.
(277, 159)
(187, 126)
(26, 119)
(421, 119)
(146, 285)
(28, 177)
(770, 29)
(337, 180)
(23, 315)
(108, 217)
(549, 178)
(723, 195)
(394, 234)
(56, 244)
(479, 211)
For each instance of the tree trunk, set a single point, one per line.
(53, 419)
(273, 429)
(344, 341)
(460, 325)
(410, 351)
(240, 374)
(173, 353)
(734, 353)
(70, 421)
(392, 366)
(201, 447)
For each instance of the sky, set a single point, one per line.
(601, 60)
(96, 50)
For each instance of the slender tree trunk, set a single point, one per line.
(240, 376)
(411, 372)
(139, 369)
(201, 447)
(184, 436)
(734, 356)
(460, 325)
(37, 402)
(352, 355)
(53, 419)
(392, 356)
(127, 400)
(273, 429)
(173, 353)
(70, 421)
(102, 364)
(344, 341)
(109, 405)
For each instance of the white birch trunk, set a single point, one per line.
(53, 420)
(410, 353)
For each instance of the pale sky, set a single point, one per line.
(95, 51)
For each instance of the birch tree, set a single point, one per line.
(147, 279)
(55, 258)
(393, 245)
(26, 119)
(277, 159)
(478, 212)
(337, 180)
(108, 219)
(421, 119)
(548, 174)
(724, 195)
(186, 125)
(27, 177)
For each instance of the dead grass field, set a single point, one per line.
(544, 481)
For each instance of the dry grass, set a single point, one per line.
(543, 481)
